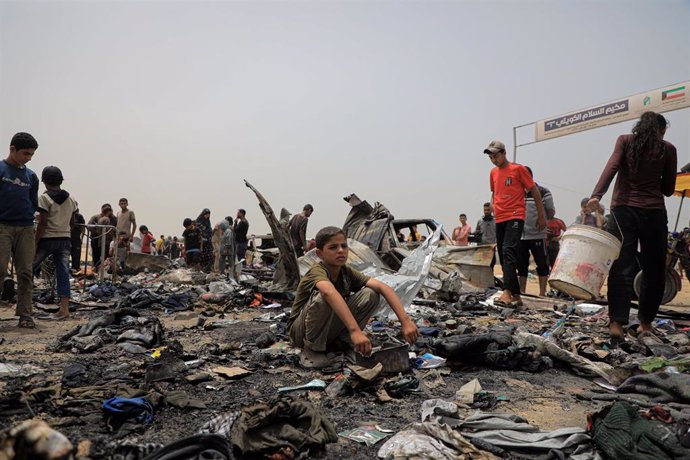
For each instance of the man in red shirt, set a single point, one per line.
(508, 182)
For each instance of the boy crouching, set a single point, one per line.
(334, 301)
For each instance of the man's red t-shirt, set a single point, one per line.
(554, 228)
(508, 185)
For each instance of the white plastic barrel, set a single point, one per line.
(584, 261)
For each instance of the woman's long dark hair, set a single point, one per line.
(648, 135)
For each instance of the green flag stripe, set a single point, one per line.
(680, 88)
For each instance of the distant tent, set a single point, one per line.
(682, 184)
(682, 190)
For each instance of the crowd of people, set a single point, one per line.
(113, 236)
(34, 227)
(645, 166)
(519, 219)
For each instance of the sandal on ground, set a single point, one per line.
(650, 337)
(27, 323)
(503, 303)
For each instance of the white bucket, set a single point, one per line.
(584, 261)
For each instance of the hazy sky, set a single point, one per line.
(173, 104)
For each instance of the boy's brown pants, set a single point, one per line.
(318, 325)
(20, 243)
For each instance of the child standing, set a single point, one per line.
(226, 249)
(123, 249)
(147, 239)
(193, 243)
(56, 210)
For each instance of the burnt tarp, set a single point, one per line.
(286, 276)
(367, 224)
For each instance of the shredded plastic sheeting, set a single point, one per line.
(412, 274)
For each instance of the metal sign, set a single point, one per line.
(665, 99)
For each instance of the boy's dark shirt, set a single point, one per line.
(18, 195)
(192, 238)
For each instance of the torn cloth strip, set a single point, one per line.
(220, 424)
(283, 422)
(512, 433)
(660, 386)
(621, 433)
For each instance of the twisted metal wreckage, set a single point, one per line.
(434, 267)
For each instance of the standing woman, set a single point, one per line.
(646, 167)
(203, 222)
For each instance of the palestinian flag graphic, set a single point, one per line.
(674, 93)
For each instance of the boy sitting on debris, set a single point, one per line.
(334, 301)
(193, 243)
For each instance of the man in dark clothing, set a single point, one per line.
(241, 229)
(106, 217)
(644, 165)
(298, 229)
(486, 230)
(77, 237)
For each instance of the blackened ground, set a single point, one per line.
(546, 399)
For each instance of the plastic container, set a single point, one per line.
(584, 261)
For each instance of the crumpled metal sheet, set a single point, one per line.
(472, 262)
(360, 257)
(367, 224)
(372, 226)
(286, 276)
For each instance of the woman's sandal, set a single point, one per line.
(503, 303)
